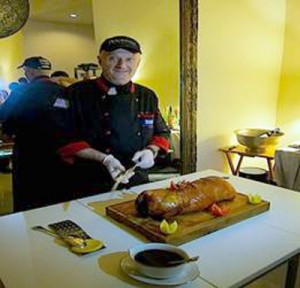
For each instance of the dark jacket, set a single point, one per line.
(117, 120)
(27, 115)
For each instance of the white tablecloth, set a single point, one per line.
(287, 168)
(39, 261)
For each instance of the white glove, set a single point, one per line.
(113, 165)
(144, 158)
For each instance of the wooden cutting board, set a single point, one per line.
(190, 226)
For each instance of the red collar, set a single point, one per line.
(104, 86)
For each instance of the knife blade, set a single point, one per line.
(123, 176)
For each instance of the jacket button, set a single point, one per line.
(107, 132)
(106, 114)
(139, 133)
(107, 150)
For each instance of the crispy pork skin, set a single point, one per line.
(184, 197)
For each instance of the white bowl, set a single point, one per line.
(159, 272)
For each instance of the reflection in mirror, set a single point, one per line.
(70, 41)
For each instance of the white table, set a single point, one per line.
(274, 235)
(230, 257)
(30, 259)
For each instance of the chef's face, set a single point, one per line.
(119, 65)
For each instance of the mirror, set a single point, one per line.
(188, 14)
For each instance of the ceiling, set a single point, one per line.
(59, 10)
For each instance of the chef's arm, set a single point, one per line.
(80, 149)
(154, 148)
(91, 154)
(113, 165)
(159, 144)
(160, 141)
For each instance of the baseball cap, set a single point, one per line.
(124, 42)
(37, 62)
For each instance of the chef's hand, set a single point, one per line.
(144, 158)
(113, 165)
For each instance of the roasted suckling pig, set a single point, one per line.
(184, 197)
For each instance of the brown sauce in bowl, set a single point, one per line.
(157, 258)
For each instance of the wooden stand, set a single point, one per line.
(243, 152)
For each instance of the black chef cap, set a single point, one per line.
(124, 42)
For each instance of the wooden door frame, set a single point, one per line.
(188, 84)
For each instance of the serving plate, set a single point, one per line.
(190, 273)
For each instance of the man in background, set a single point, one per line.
(27, 117)
(62, 78)
(112, 124)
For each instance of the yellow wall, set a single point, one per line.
(65, 45)
(240, 54)
(155, 24)
(248, 60)
(11, 55)
(288, 113)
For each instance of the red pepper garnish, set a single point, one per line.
(179, 186)
(173, 186)
(218, 211)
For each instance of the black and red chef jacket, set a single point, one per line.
(117, 120)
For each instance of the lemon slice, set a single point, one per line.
(91, 245)
(167, 228)
(254, 199)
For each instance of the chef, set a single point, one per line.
(111, 123)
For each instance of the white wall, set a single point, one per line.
(65, 45)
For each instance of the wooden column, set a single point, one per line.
(188, 83)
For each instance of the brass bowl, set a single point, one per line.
(258, 140)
